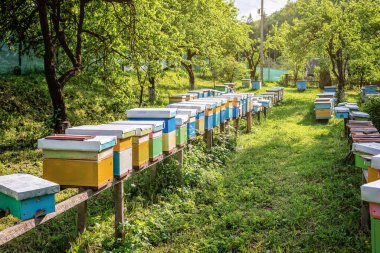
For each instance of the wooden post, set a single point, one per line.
(82, 214)
(345, 128)
(265, 112)
(259, 116)
(222, 127)
(179, 165)
(208, 138)
(119, 210)
(236, 122)
(364, 210)
(249, 121)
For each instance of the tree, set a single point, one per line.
(62, 26)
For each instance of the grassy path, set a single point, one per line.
(285, 190)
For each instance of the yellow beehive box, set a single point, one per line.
(78, 160)
(323, 113)
(140, 151)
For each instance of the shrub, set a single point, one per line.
(372, 107)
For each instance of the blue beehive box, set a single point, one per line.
(27, 196)
(209, 112)
(342, 112)
(191, 124)
(301, 85)
(329, 88)
(224, 105)
(256, 85)
(199, 93)
(370, 89)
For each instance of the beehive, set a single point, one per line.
(181, 129)
(256, 85)
(362, 116)
(221, 87)
(301, 85)
(198, 93)
(245, 83)
(155, 137)
(373, 168)
(163, 114)
(191, 124)
(200, 116)
(122, 152)
(329, 89)
(216, 110)
(77, 160)
(341, 112)
(209, 112)
(360, 149)
(26, 196)
(177, 98)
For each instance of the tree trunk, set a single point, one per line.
(152, 89)
(189, 68)
(55, 89)
(20, 57)
(141, 95)
(324, 78)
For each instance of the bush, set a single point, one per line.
(372, 107)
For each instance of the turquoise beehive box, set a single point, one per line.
(200, 117)
(191, 124)
(26, 196)
(209, 112)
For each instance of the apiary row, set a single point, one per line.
(92, 156)
(365, 148)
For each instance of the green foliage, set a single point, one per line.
(372, 107)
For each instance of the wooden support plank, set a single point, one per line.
(346, 133)
(82, 214)
(249, 121)
(19, 229)
(222, 127)
(259, 116)
(265, 112)
(180, 165)
(208, 138)
(119, 210)
(236, 125)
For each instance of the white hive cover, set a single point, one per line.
(25, 186)
(155, 125)
(208, 104)
(371, 192)
(371, 148)
(223, 100)
(152, 113)
(181, 119)
(352, 107)
(95, 144)
(188, 112)
(360, 114)
(199, 108)
(375, 163)
(341, 109)
(217, 102)
(120, 131)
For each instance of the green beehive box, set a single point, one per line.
(181, 135)
(375, 235)
(155, 146)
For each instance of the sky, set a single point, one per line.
(251, 6)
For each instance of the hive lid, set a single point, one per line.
(209, 105)
(371, 192)
(178, 96)
(369, 148)
(181, 119)
(25, 186)
(341, 109)
(375, 163)
(352, 107)
(217, 102)
(152, 113)
(199, 108)
(155, 125)
(120, 131)
(98, 143)
(360, 114)
(188, 112)
(223, 100)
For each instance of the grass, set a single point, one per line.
(284, 189)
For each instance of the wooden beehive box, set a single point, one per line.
(245, 83)
(26, 196)
(163, 114)
(217, 108)
(341, 112)
(198, 93)
(360, 149)
(155, 137)
(200, 116)
(122, 151)
(177, 98)
(361, 116)
(209, 112)
(191, 124)
(77, 160)
(181, 131)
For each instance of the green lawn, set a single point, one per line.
(284, 189)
